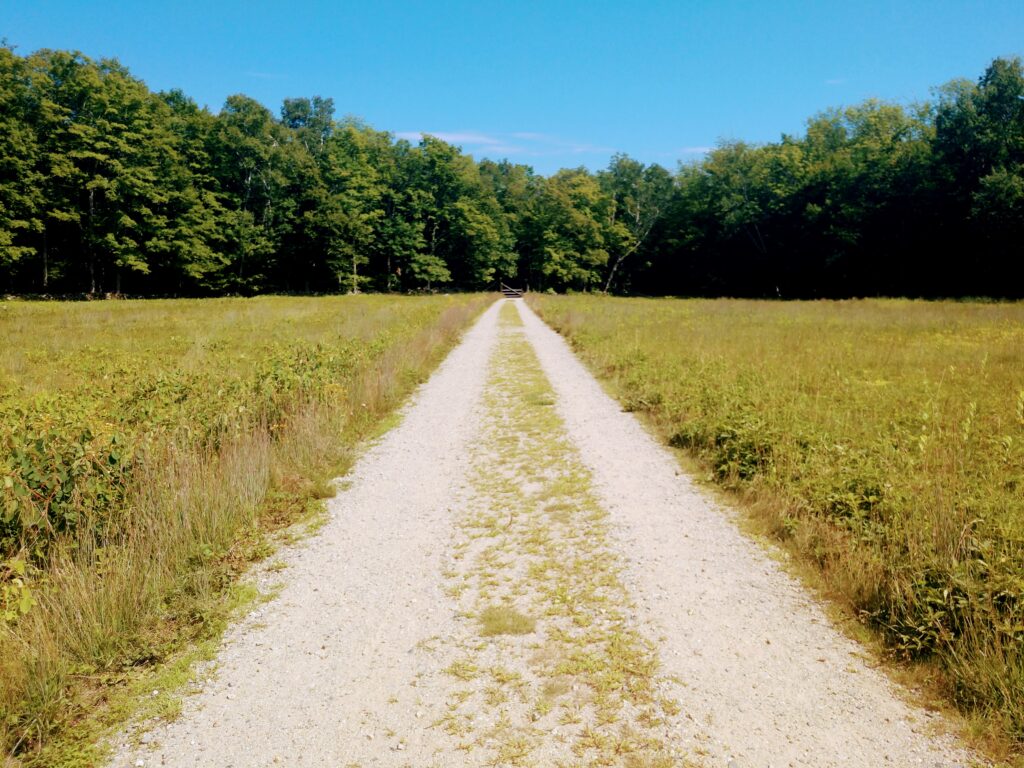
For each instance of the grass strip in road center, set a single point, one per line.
(552, 668)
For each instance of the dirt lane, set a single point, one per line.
(518, 575)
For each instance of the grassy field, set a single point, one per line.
(882, 440)
(148, 447)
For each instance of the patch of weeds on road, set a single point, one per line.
(463, 670)
(505, 620)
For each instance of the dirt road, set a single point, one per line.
(518, 574)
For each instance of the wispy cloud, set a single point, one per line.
(542, 149)
(588, 149)
(452, 137)
(507, 150)
(267, 75)
(562, 145)
(514, 144)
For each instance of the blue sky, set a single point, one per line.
(555, 83)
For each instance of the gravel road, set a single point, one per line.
(349, 665)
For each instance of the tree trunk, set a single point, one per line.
(46, 258)
(615, 266)
(92, 250)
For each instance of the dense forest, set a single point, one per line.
(107, 187)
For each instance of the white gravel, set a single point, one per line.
(342, 668)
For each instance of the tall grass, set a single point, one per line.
(150, 447)
(882, 440)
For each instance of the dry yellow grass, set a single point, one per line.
(505, 620)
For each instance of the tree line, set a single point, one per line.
(106, 187)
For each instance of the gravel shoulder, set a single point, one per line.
(534, 493)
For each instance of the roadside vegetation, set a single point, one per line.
(147, 450)
(882, 441)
